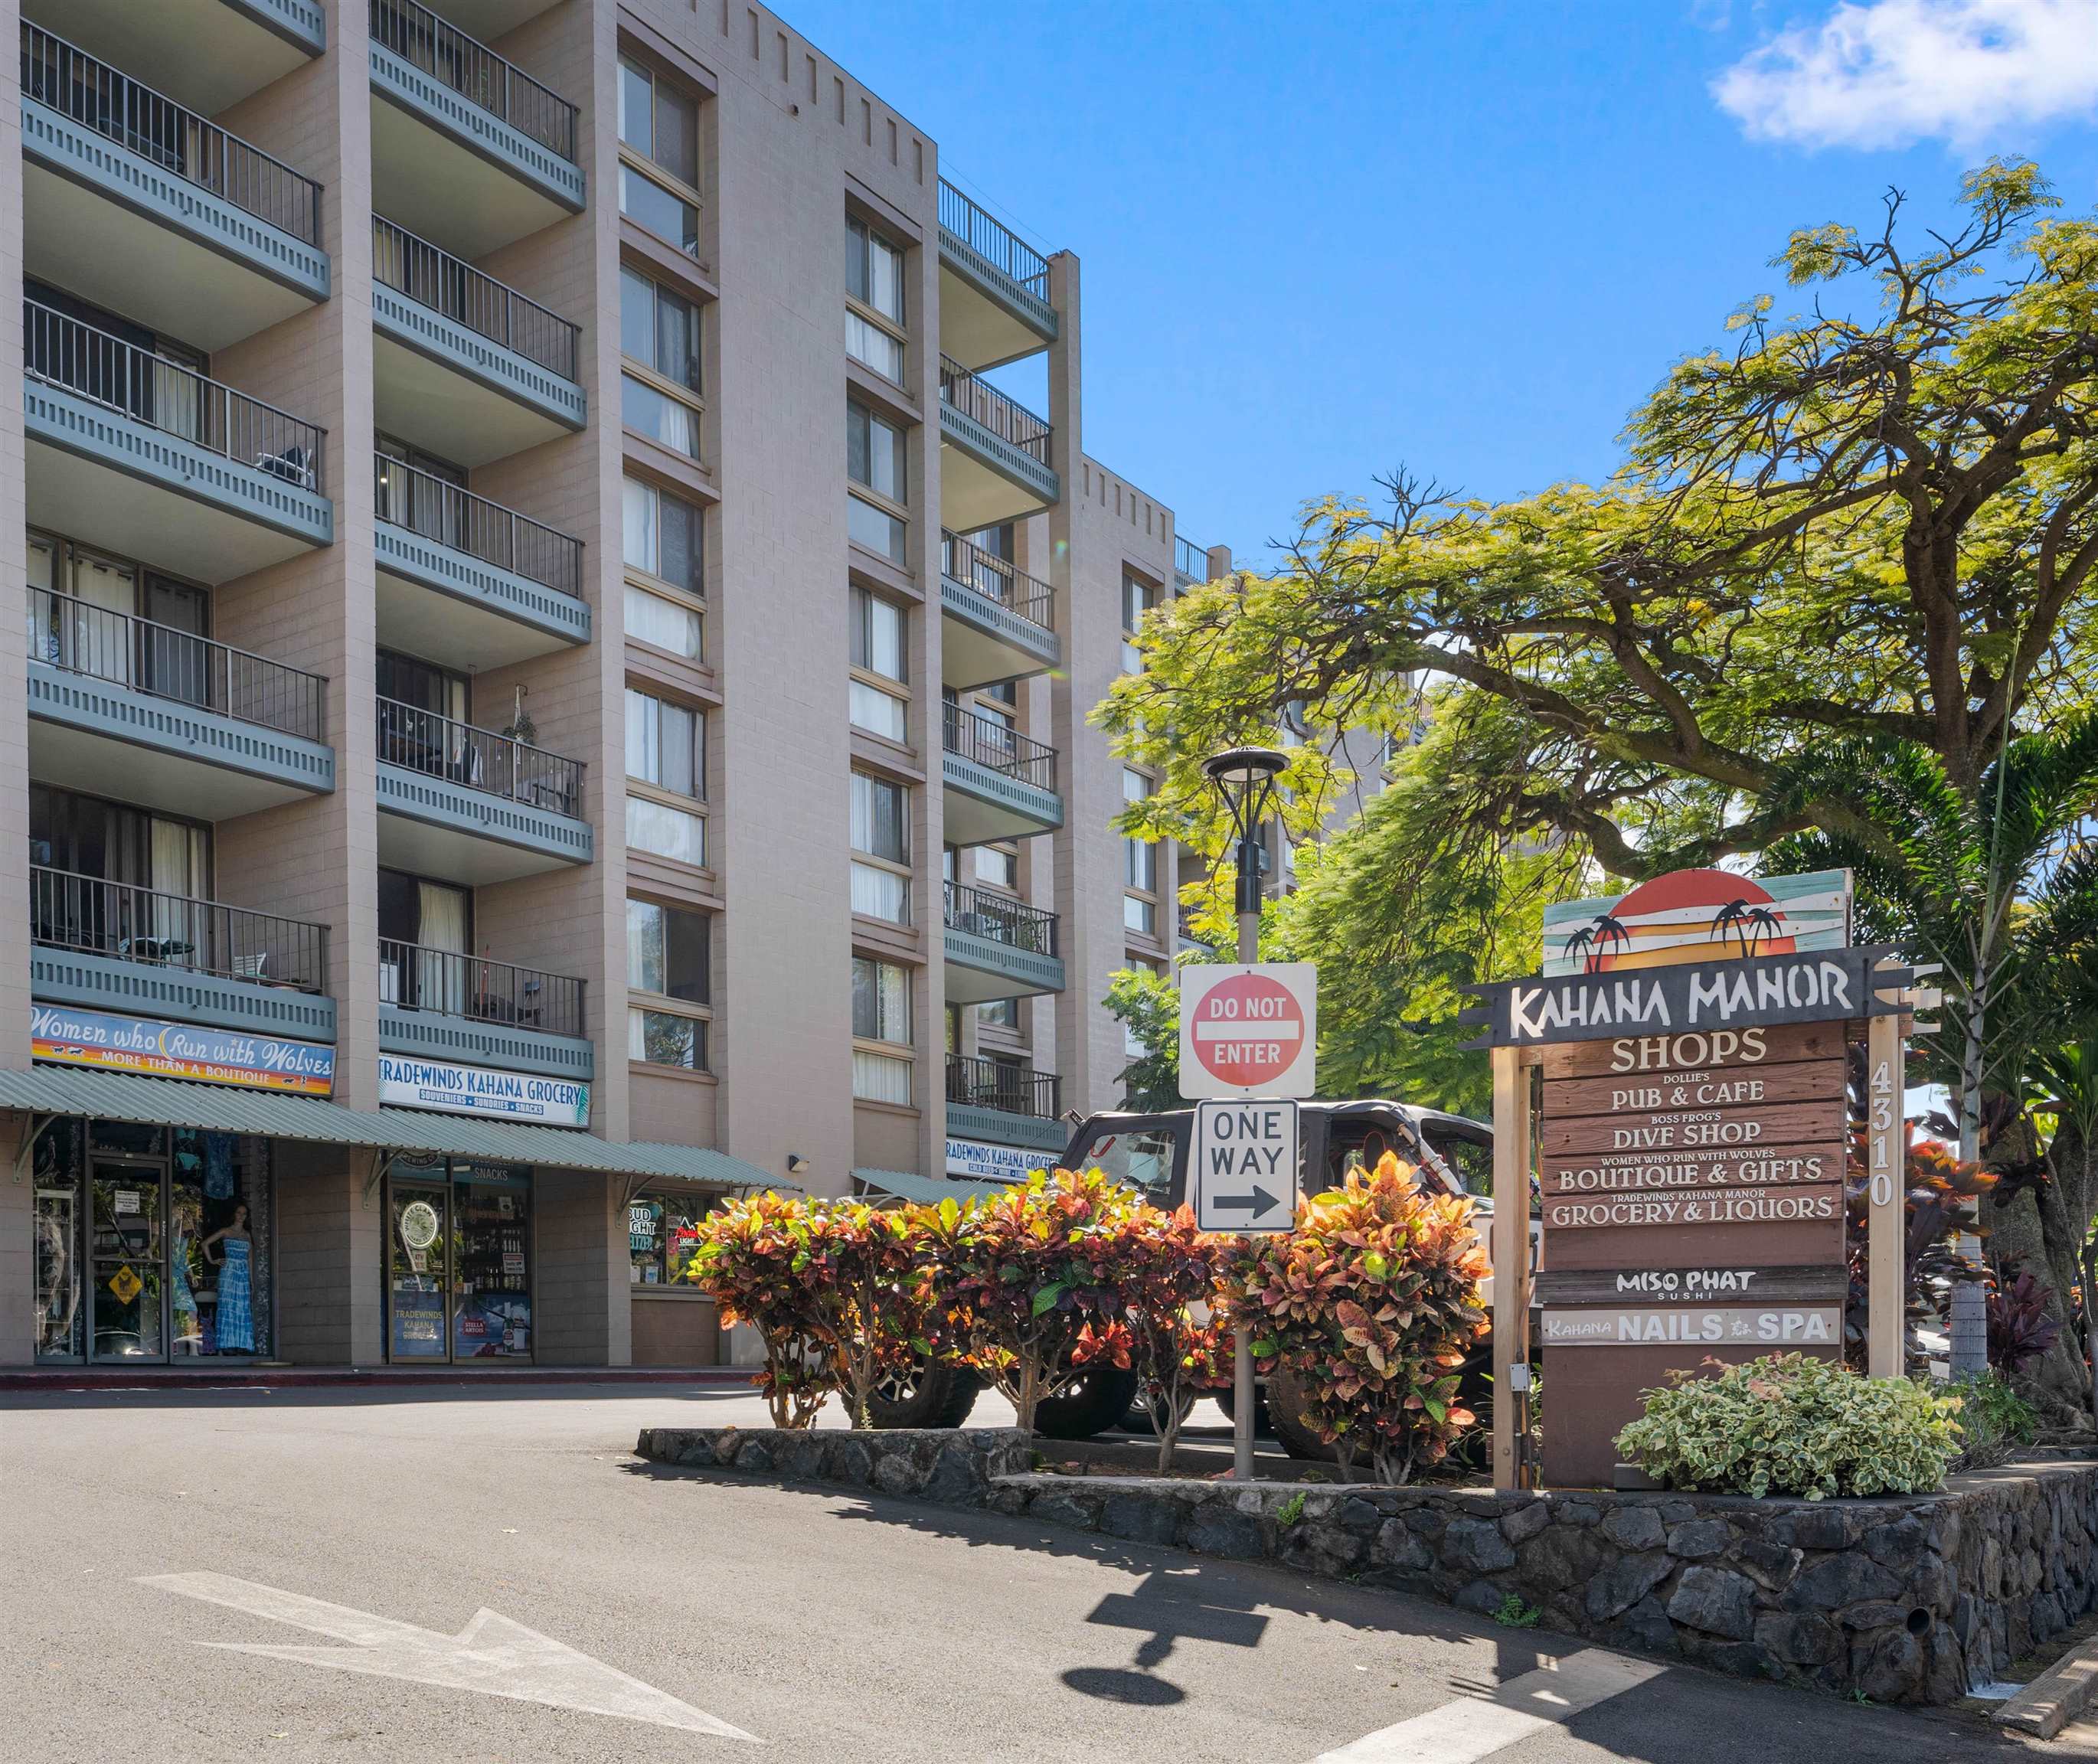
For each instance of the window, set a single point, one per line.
(660, 418)
(659, 140)
(662, 1231)
(999, 865)
(668, 833)
(1000, 1013)
(666, 951)
(666, 1038)
(877, 656)
(1137, 597)
(874, 288)
(662, 536)
(664, 624)
(665, 745)
(659, 329)
(1139, 865)
(881, 1013)
(881, 839)
(874, 529)
(874, 454)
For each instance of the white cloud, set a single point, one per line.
(1879, 73)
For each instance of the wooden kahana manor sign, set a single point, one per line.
(1693, 1037)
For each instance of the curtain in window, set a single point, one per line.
(177, 877)
(440, 930)
(99, 639)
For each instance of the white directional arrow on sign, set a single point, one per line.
(491, 1655)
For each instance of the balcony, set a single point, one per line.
(1006, 1105)
(158, 461)
(434, 1004)
(466, 366)
(999, 783)
(471, 806)
(464, 146)
(994, 453)
(1001, 621)
(121, 707)
(106, 946)
(468, 579)
(1191, 563)
(997, 947)
(213, 52)
(135, 204)
(994, 288)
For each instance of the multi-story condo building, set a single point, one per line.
(556, 686)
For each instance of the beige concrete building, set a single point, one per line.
(554, 687)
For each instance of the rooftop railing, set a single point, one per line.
(1006, 417)
(435, 278)
(1189, 558)
(158, 660)
(994, 241)
(1000, 919)
(194, 149)
(448, 516)
(451, 984)
(995, 578)
(993, 742)
(95, 917)
(975, 1082)
(422, 40)
(442, 747)
(164, 395)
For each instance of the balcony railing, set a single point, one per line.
(974, 1082)
(422, 40)
(194, 148)
(166, 395)
(95, 917)
(442, 747)
(1012, 422)
(993, 576)
(162, 662)
(456, 518)
(438, 280)
(1189, 558)
(991, 742)
(451, 984)
(1000, 918)
(994, 241)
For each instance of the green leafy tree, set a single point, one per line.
(1148, 1005)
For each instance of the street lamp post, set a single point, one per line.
(1244, 777)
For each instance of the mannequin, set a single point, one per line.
(235, 1323)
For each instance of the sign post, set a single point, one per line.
(1249, 1048)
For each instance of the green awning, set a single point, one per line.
(906, 1185)
(58, 1091)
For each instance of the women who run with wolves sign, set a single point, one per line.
(1692, 1040)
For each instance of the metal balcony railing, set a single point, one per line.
(991, 742)
(451, 984)
(1000, 918)
(194, 148)
(1011, 587)
(164, 395)
(94, 917)
(125, 650)
(448, 515)
(994, 241)
(442, 747)
(437, 280)
(1190, 558)
(1012, 421)
(422, 40)
(975, 1082)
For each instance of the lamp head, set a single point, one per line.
(1237, 770)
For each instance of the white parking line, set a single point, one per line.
(1474, 1727)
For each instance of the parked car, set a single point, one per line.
(1149, 1152)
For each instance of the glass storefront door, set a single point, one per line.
(125, 1286)
(458, 1269)
(419, 1271)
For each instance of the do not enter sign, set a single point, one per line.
(1249, 1031)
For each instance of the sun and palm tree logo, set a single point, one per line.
(1745, 925)
(1594, 943)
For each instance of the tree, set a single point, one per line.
(1148, 1007)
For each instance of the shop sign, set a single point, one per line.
(419, 1225)
(1729, 1326)
(983, 1161)
(63, 1036)
(1691, 914)
(457, 1090)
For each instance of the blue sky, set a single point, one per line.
(1320, 241)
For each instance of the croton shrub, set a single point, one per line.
(1789, 1424)
(1370, 1305)
(835, 1289)
(1177, 1346)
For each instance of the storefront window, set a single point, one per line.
(662, 1231)
(459, 1262)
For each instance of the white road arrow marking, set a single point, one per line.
(1472, 1727)
(491, 1655)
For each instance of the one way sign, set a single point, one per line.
(1244, 1175)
